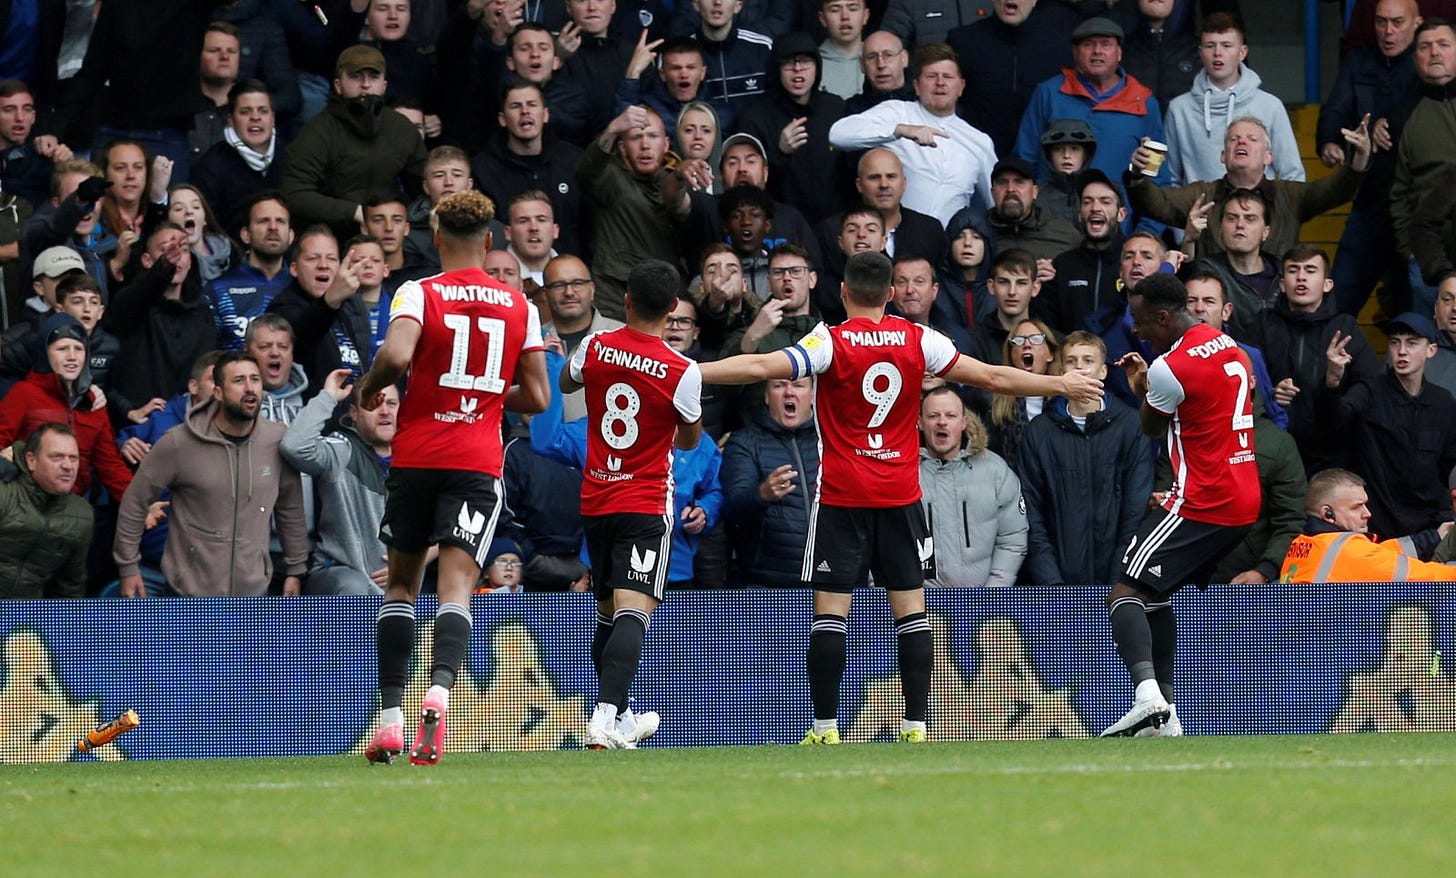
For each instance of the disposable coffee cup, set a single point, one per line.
(1158, 153)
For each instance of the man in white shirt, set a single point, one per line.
(947, 162)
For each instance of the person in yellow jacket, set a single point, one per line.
(1336, 545)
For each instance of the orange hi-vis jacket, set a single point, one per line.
(1345, 556)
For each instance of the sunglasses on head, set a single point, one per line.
(1070, 136)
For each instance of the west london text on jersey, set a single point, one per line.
(628, 360)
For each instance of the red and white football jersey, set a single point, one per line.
(637, 390)
(1207, 385)
(473, 331)
(867, 406)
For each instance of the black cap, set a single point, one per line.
(1097, 27)
(1411, 322)
(1016, 164)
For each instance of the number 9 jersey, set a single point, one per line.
(473, 331)
(637, 390)
(867, 406)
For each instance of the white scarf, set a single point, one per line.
(258, 161)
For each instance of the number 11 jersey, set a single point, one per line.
(637, 390)
(473, 331)
(867, 406)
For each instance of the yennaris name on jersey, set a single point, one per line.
(627, 360)
(877, 338)
(474, 293)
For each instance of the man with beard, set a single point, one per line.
(355, 147)
(228, 481)
(348, 461)
(1085, 278)
(623, 173)
(1018, 221)
(245, 292)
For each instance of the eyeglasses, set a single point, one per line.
(1035, 338)
(796, 61)
(681, 323)
(577, 285)
(877, 57)
(789, 271)
(505, 564)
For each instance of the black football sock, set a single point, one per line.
(394, 637)
(916, 653)
(621, 655)
(1164, 628)
(826, 664)
(452, 640)
(1133, 638)
(600, 635)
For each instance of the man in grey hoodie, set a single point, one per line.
(1223, 91)
(228, 481)
(348, 461)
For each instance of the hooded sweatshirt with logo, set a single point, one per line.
(1198, 120)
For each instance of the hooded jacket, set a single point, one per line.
(769, 537)
(630, 223)
(43, 538)
(160, 337)
(348, 152)
(348, 480)
(813, 178)
(1043, 235)
(1086, 492)
(1294, 344)
(224, 495)
(976, 516)
(970, 304)
(503, 175)
(1086, 282)
(1197, 121)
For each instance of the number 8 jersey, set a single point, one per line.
(1205, 384)
(637, 389)
(473, 330)
(867, 406)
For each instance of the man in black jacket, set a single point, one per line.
(1401, 428)
(330, 327)
(1087, 275)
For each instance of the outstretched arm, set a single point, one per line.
(1017, 382)
(748, 368)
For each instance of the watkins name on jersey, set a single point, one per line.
(473, 293)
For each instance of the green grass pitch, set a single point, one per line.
(1318, 805)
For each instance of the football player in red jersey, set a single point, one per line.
(642, 397)
(866, 515)
(1199, 391)
(464, 339)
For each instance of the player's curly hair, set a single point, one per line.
(465, 214)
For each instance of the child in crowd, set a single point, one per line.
(747, 213)
(1067, 145)
(212, 249)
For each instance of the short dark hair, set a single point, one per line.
(682, 46)
(261, 196)
(385, 196)
(515, 83)
(1448, 274)
(1303, 253)
(227, 358)
(159, 228)
(204, 363)
(1016, 260)
(33, 441)
(527, 27)
(862, 210)
(249, 86)
(9, 88)
(1205, 269)
(76, 281)
(906, 258)
(713, 249)
(1162, 291)
(223, 27)
(1221, 22)
(744, 195)
(1250, 196)
(867, 278)
(1434, 22)
(791, 248)
(653, 285)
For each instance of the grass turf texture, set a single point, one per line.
(1260, 805)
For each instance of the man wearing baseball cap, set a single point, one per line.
(353, 148)
(1096, 89)
(1400, 429)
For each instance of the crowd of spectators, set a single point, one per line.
(207, 208)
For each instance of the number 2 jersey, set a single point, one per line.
(473, 331)
(637, 390)
(1205, 383)
(867, 406)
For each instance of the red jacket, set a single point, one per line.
(41, 398)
